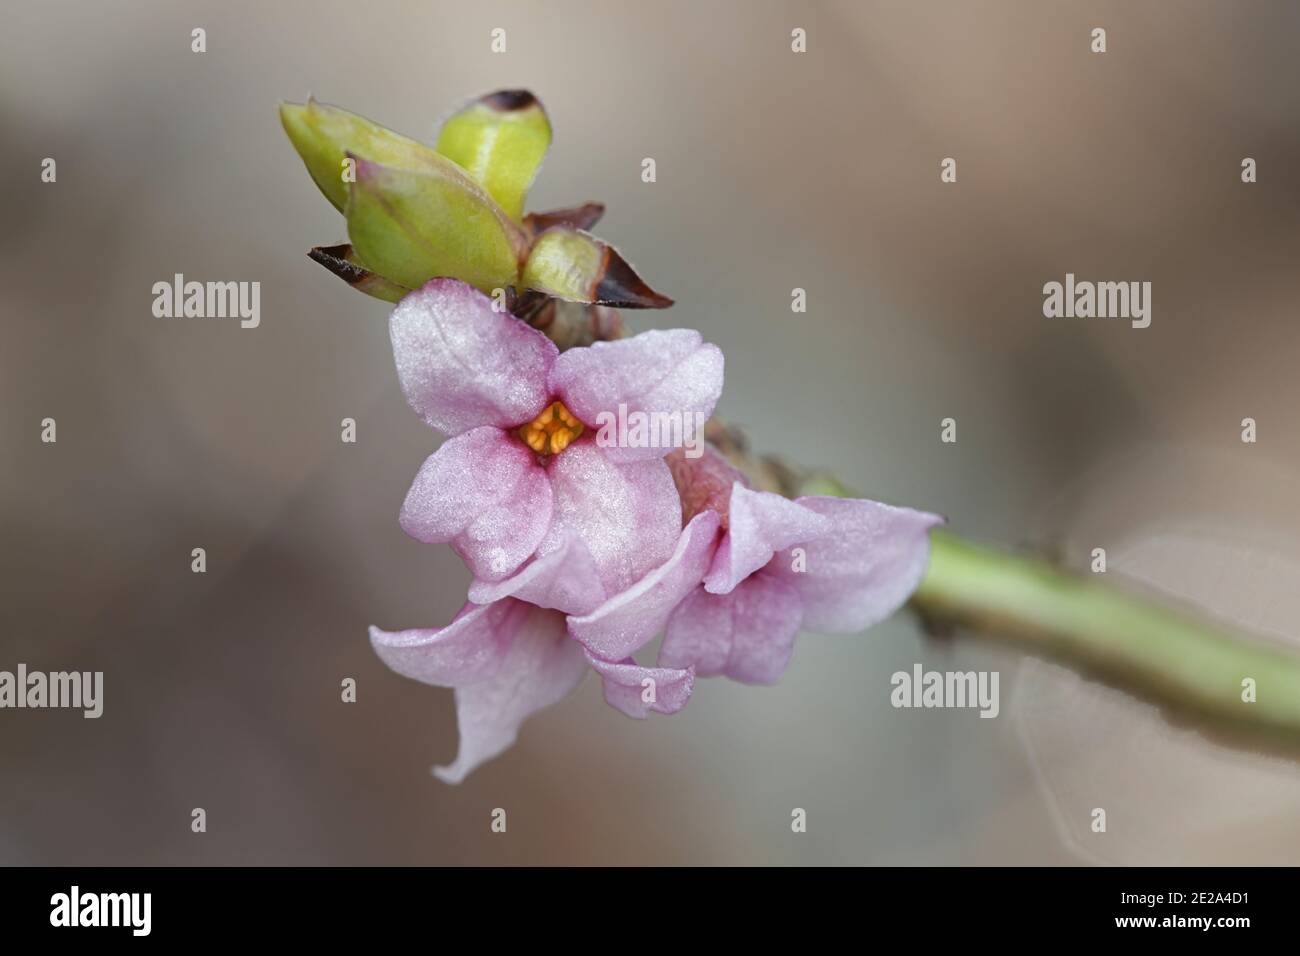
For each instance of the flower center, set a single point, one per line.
(552, 431)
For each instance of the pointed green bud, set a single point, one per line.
(343, 262)
(410, 226)
(324, 135)
(500, 140)
(572, 265)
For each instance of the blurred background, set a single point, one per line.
(775, 170)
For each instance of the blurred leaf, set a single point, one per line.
(343, 262)
(325, 135)
(824, 483)
(410, 226)
(500, 140)
(572, 265)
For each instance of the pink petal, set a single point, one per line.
(542, 667)
(627, 685)
(485, 493)
(673, 372)
(628, 515)
(627, 621)
(760, 524)
(562, 576)
(469, 649)
(463, 365)
(747, 634)
(864, 568)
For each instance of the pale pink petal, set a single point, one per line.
(627, 621)
(485, 493)
(637, 691)
(543, 665)
(462, 364)
(470, 648)
(863, 569)
(760, 524)
(747, 634)
(562, 576)
(670, 372)
(628, 515)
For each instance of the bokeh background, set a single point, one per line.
(775, 170)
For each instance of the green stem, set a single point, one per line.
(1191, 664)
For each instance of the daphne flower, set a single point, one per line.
(508, 660)
(522, 490)
(832, 565)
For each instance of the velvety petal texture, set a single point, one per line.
(864, 569)
(542, 667)
(747, 634)
(562, 576)
(628, 515)
(670, 372)
(485, 493)
(761, 523)
(507, 661)
(629, 620)
(639, 691)
(470, 648)
(857, 562)
(462, 364)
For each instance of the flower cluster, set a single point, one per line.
(582, 554)
(583, 549)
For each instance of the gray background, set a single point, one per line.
(775, 170)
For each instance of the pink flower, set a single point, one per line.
(832, 565)
(522, 490)
(510, 659)
(578, 550)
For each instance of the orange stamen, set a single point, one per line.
(552, 431)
